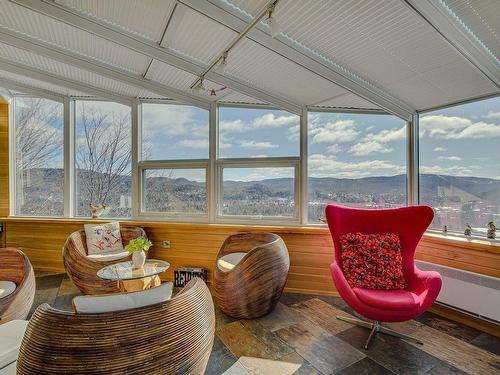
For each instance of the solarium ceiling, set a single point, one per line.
(401, 56)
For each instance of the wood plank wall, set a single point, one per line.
(197, 245)
(4, 164)
(4, 159)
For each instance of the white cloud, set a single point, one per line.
(334, 149)
(450, 158)
(254, 144)
(329, 166)
(453, 127)
(341, 131)
(369, 148)
(492, 115)
(161, 120)
(236, 126)
(194, 143)
(385, 136)
(269, 120)
(440, 149)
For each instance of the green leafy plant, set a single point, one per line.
(138, 244)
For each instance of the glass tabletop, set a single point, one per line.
(124, 270)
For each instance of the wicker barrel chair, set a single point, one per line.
(15, 267)
(172, 337)
(250, 273)
(83, 271)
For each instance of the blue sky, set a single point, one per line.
(461, 140)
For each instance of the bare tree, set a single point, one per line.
(103, 153)
(38, 138)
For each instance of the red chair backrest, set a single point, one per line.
(408, 223)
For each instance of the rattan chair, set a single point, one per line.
(253, 287)
(83, 271)
(172, 337)
(16, 267)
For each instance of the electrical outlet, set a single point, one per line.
(166, 244)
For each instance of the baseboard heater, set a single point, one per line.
(469, 292)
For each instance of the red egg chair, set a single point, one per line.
(421, 287)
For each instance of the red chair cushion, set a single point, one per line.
(372, 261)
(388, 299)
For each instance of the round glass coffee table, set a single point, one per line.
(132, 280)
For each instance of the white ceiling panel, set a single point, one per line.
(384, 42)
(262, 68)
(27, 81)
(46, 29)
(251, 7)
(196, 36)
(347, 100)
(482, 17)
(65, 70)
(236, 97)
(145, 18)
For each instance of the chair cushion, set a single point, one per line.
(108, 257)
(388, 299)
(11, 335)
(229, 261)
(103, 238)
(122, 301)
(372, 261)
(6, 288)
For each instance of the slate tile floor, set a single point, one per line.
(303, 337)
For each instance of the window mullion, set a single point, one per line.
(69, 157)
(412, 161)
(302, 175)
(136, 155)
(212, 186)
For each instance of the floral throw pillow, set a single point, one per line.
(103, 238)
(372, 261)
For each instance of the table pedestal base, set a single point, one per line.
(139, 284)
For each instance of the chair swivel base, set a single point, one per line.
(376, 327)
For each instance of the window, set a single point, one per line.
(356, 160)
(174, 165)
(171, 132)
(258, 164)
(254, 133)
(182, 191)
(459, 165)
(259, 192)
(38, 145)
(103, 150)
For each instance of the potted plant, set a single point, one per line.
(137, 248)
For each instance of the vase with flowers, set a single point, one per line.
(138, 247)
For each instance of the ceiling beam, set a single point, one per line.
(32, 90)
(148, 48)
(54, 79)
(37, 46)
(459, 37)
(230, 17)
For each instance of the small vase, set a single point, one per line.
(138, 259)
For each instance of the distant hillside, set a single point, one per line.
(431, 185)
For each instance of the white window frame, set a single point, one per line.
(178, 164)
(139, 166)
(12, 153)
(284, 162)
(70, 158)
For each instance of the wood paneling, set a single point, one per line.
(197, 245)
(4, 160)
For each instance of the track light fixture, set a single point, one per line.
(270, 21)
(221, 66)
